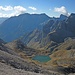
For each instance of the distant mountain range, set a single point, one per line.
(38, 30)
(17, 26)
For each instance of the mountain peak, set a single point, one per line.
(43, 14)
(24, 14)
(63, 16)
(33, 14)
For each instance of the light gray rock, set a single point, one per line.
(8, 70)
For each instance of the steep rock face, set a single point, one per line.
(20, 48)
(35, 35)
(63, 30)
(60, 31)
(17, 26)
(33, 39)
(68, 44)
(6, 49)
(16, 44)
(40, 38)
(47, 27)
(51, 24)
(62, 17)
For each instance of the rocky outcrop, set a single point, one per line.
(68, 44)
(19, 47)
(49, 32)
(63, 30)
(63, 61)
(11, 57)
(13, 62)
(8, 70)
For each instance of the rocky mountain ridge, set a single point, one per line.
(56, 31)
(19, 25)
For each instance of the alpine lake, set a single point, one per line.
(41, 58)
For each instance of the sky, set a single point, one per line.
(52, 8)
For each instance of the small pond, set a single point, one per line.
(41, 58)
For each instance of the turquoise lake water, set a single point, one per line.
(41, 58)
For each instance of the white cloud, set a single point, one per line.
(33, 8)
(6, 8)
(34, 13)
(61, 10)
(19, 9)
(6, 15)
(9, 11)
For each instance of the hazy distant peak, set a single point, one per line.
(62, 15)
